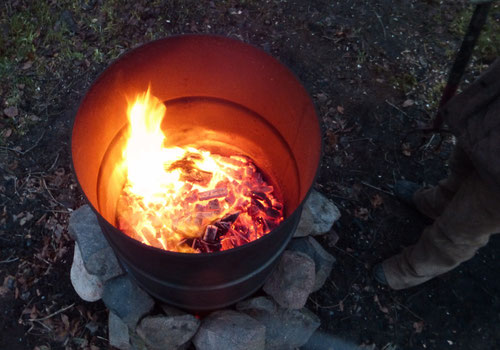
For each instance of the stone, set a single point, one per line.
(87, 286)
(98, 257)
(11, 112)
(323, 261)
(126, 300)
(118, 332)
(258, 305)
(285, 328)
(331, 238)
(228, 329)
(171, 310)
(292, 280)
(306, 223)
(137, 342)
(324, 341)
(318, 216)
(167, 332)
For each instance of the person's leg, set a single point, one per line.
(472, 215)
(431, 201)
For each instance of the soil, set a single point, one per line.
(375, 70)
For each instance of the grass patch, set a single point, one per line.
(488, 44)
(406, 82)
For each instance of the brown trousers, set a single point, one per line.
(466, 212)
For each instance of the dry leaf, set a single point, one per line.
(4, 291)
(406, 149)
(356, 189)
(11, 112)
(322, 97)
(332, 138)
(331, 238)
(376, 200)
(65, 321)
(27, 65)
(418, 326)
(408, 103)
(361, 213)
(7, 132)
(384, 309)
(25, 219)
(13, 165)
(341, 306)
(340, 109)
(34, 313)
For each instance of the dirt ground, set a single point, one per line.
(375, 70)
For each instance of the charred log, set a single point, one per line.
(215, 193)
(231, 218)
(210, 235)
(190, 173)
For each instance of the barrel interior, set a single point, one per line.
(222, 95)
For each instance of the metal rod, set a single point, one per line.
(476, 24)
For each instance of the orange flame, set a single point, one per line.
(186, 199)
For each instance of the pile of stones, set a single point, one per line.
(275, 319)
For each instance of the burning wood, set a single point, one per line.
(186, 199)
(215, 193)
(189, 173)
(210, 235)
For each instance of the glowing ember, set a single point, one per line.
(187, 199)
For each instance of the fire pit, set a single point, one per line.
(221, 96)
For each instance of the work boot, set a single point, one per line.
(416, 197)
(404, 191)
(379, 274)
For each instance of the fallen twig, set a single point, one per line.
(43, 325)
(50, 194)
(347, 253)
(27, 150)
(396, 107)
(377, 188)
(341, 302)
(429, 143)
(407, 309)
(381, 23)
(52, 314)
(53, 163)
(8, 260)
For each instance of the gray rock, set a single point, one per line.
(285, 328)
(98, 257)
(324, 341)
(292, 280)
(172, 311)
(167, 332)
(137, 342)
(227, 329)
(318, 215)
(126, 300)
(331, 238)
(323, 261)
(257, 306)
(306, 223)
(118, 332)
(87, 286)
